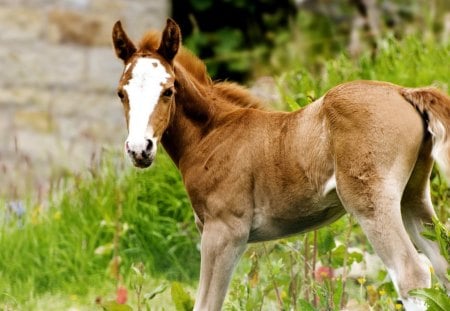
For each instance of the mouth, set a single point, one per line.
(142, 162)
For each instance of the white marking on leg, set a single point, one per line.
(410, 303)
(393, 277)
(414, 304)
(143, 89)
(330, 185)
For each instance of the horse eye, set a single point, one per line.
(120, 94)
(168, 92)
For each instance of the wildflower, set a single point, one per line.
(398, 306)
(122, 295)
(361, 280)
(17, 207)
(382, 292)
(322, 273)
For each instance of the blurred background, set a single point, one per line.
(57, 101)
(78, 224)
(58, 75)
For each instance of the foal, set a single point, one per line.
(366, 148)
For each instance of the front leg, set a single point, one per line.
(222, 245)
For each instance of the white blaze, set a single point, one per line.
(143, 89)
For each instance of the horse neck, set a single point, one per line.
(197, 110)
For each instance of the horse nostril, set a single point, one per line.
(149, 145)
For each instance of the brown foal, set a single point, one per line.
(365, 148)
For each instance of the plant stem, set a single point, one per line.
(275, 286)
(314, 259)
(345, 270)
(117, 239)
(306, 268)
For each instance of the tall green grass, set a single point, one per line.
(66, 246)
(411, 62)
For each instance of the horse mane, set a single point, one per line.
(232, 92)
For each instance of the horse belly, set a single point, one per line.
(271, 222)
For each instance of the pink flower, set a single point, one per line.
(122, 295)
(322, 273)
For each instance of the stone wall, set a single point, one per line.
(58, 107)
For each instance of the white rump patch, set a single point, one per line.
(144, 89)
(330, 185)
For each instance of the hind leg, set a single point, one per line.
(417, 210)
(415, 214)
(376, 205)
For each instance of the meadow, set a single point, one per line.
(114, 232)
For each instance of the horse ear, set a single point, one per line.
(122, 44)
(171, 40)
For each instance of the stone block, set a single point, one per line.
(103, 69)
(20, 24)
(41, 64)
(79, 27)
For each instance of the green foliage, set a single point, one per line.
(436, 299)
(437, 232)
(305, 305)
(440, 192)
(239, 35)
(181, 299)
(114, 306)
(411, 62)
(340, 254)
(163, 227)
(67, 245)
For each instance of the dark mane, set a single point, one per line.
(232, 92)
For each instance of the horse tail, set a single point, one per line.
(434, 107)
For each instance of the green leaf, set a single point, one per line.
(201, 5)
(160, 289)
(339, 253)
(181, 298)
(325, 241)
(437, 232)
(337, 292)
(354, 257)
(114, 306)
(435, 299)
(337, 256)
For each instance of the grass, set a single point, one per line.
(411, 62)
(96, 226)
(67, 246)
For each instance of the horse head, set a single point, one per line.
(146, 89)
